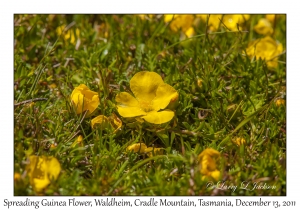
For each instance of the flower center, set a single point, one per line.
(146, 106)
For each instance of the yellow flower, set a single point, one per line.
(53, 146)
(263, 27)
(207, 159)
(150, 151)
(181, 22)
(78, 141)
(142, 148)
(42, 170)
(239, 141)
(280, 102)
(107, 122)
(200, 83)
(151, 96)
(213, 21)
(267, 49)
(231, 21)
(84, 99)
(68, 35)
(138, 147)
(17, 177)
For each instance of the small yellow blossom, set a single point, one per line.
(84, 99)
(152, 96)
(150, 151)
(137, 147)
(78, 141)
(17, 177)
(213, 21)
(42, 170)
(53, 146)
(239, 141)
(267, 49)
(143, 149)
(200, 83)
(69, 34)
(264, 27)
(231, 21)
(208, 159)
(181, 22)
(107, 122)
(280, 102)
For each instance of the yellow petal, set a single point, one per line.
(209, 152)
(159, 117)
(246, 17)
(17, 176)
(77, 99)
(93, 104)
(130, 111)
(79, 139)
(280, 102)
(204, 165)
(73, 38)
(67, 35)
(100, 120)
(271, 17)
(168, 18)
(144, 85)
(215, 174)
(128, 106)
(263, 27)
(213, 21)
(279, 49)
(40, 184)
(59, 30)
(231, 21)
(183, 22)
(164, 94)
(138, 147)
(190, 32)
(77, 32)
(53, 168)
(126, 100)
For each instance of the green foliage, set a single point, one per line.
(222, 94)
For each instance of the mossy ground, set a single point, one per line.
(223, 94)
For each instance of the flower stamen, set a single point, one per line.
(146, 106)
